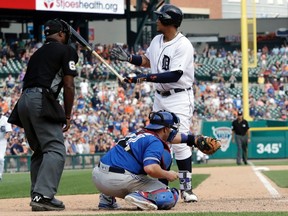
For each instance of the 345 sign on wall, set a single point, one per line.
(269, 148)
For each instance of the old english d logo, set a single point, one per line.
(165, 62)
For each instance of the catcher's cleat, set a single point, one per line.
(107, 203)
(189, 196)
(40, 203)
(137, 200)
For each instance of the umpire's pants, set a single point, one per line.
(46, 140)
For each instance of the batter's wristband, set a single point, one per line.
(189, 139)
(135, 59)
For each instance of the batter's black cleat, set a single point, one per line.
(40, 203)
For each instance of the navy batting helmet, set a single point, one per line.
(170, 15)
(161, 119)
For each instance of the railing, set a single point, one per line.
(15, 163)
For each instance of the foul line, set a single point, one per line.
(273, 192)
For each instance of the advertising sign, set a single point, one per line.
(82, 6)
(78, 6)
(18, 4)
(263, 145)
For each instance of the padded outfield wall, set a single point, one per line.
(265, 144)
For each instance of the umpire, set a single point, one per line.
(49, 69)
(241, 134)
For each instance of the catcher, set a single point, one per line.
(132, 169)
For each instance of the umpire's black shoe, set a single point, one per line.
(40, 203)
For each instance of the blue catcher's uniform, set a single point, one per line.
(121, 173)
(139, 150)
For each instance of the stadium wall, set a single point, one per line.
(265, 144)
(106, 32)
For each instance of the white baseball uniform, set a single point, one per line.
(177, 54)
(4, 128)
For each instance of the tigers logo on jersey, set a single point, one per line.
(165, 62)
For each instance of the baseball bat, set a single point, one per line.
(85, 44)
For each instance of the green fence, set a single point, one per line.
(80, 161)
(269, 139)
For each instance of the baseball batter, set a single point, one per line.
(5, 131)
(170, 57)
(132, 168)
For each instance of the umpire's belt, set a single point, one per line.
(172, 91)
(33, 89)
(110, 168)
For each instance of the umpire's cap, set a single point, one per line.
(170, 15)
(162, 119)
(55, 26)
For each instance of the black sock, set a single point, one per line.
(185, 165)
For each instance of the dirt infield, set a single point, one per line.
(228, 189)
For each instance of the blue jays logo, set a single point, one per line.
(224, 134)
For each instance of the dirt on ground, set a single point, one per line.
(228, 189)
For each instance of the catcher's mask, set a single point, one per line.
(170, 15)
(161, 119)
(55, 26)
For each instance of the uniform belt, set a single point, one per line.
(33, 89)
(110, 168)
(172, 91)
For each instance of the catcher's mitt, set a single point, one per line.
(207, 145)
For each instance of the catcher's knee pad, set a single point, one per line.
(165, 199)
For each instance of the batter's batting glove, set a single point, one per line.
(136, 79)
(120, 54)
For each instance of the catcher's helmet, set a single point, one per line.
(161, 119)
(170, 15)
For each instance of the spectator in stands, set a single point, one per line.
(4, 61)
(237, 102)
(84, 86)
(80, 103)
(10, 82)
(232, 81)
(16, 149)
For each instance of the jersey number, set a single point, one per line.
(72, 65)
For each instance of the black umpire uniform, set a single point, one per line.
(241, 135)
(50, 68)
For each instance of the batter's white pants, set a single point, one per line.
(182, 104)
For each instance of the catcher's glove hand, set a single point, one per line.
(207, 145)
(120, 54)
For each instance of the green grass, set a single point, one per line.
(280, 177)
(271, 163)
(17, 185)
